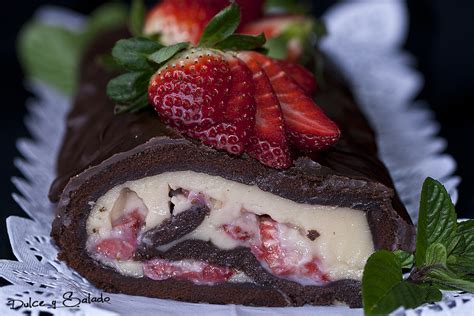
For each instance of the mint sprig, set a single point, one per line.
(51, 53)
(443, 260)
(143, 56)
(384, 289)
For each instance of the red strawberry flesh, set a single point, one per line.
(123, 241)
(185, 20)
(191, 89)
(271, 244)
(268, 142)
(308, 128)
(239, 115)
(302, 76)
(197, 272)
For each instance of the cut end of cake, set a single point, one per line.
(133, 225)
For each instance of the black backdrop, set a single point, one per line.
(441, 37)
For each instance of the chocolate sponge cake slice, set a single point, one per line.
(144, 211)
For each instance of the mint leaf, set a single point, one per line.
(461, 259)
(383, 287)
(436, 255)
(241, 42)
(137, 18)
(436, 221)
(51, 54)
(133, 53)
(167, 52)
(221, 26)
(447, 279)
(406, 259)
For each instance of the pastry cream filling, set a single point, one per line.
(343, 239)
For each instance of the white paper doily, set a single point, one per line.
(365, 40)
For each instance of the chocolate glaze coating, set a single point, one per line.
(102, 150)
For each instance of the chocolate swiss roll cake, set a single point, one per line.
(143, 210)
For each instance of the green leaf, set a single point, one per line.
(167, 52)
(436, 221)
(383, 287)
(50, 54)
(136, 105)
(108, 62)
(436, 254)
(300, 30)
(133, 53)
(461, 259)
(287, 6)
(241, 42)
(137, 18)
(406, 259)
(319, 29)
(448, 279)
(128, 87)
(221, 26)
(277, 47)
(105, 17)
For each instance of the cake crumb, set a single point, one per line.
(312, 234)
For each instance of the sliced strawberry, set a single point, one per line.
(308, 128)
(191, 89)
(302, 76)
(123, 241)
(281, 256)
(196, 271)
(184, 20)
(279, 261)
(239, 115)
(236, 232)
(268, 142)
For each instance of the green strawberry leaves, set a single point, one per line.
(143, 56)
(443, 260)
(221, 26)
(241, 42)
(129, 90)
(165, 53)
(219, 32)
(133, 53)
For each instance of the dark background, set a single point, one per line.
(441, 37)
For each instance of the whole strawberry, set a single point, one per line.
(185, 20)
(223, 94)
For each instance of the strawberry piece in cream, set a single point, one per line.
(283, 249)
(196, 271)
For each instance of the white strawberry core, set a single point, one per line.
(275, 229)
